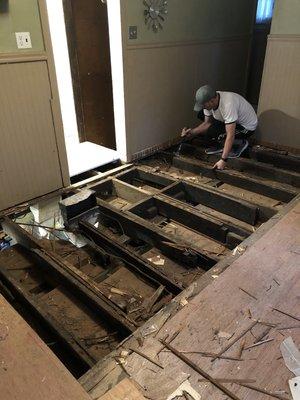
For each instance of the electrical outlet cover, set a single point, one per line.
(23, 40)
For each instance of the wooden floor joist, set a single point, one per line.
(138, 175)
(247, 165)
(192, 219)
(210, 197)
(139, 228)
(274, 190)
(156, 225)
(135, 262)
(276, 158)
(42, 313)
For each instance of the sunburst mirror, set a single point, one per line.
(155, 13)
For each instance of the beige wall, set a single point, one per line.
(279, 103)
(201, 42)
(286, 17)
(32, 153)
(20, 16)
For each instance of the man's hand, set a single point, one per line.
(185, 132)
(220, 165)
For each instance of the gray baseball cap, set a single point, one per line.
(203, 94)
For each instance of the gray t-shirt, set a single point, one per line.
(234, 108)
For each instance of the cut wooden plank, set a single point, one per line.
(188, 216)
(29, 370)
(274, 190)
(99, 176)
(135, 262)
(145, 177)
(124, 390)
(110, 188)
(212, 198)
(250, 166)
(280, 160)
(139, 228)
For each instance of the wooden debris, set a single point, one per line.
(200, 371)
(121, 362)
(149, 302)
(249, 294)
(93, 340)
(258, 344)
(263, 335)
(223, 380)
(210, 355)
(288, 327)
(183, 302)
(146, 357)
(285, 313)
(225, 335)
(276, 396)
(266, 323)
(239, 250)
(234, 341)
(118, 291)
(159, 304)
(175, 245)
(241, 348)
(157, 260)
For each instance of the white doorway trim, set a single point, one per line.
(85, 156)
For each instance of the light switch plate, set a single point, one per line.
(23, 40)
(132, 32)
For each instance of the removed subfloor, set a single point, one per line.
(206, 261)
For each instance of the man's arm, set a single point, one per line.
(230, 134)
(200, 129)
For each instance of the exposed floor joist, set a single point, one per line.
(163, 226)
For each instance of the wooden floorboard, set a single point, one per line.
(124, 390)
(269, 271)
(28, 368)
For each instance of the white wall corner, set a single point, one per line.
(117, 69)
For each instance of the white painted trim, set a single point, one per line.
(85, 156)
(117, 69)
(63, 69)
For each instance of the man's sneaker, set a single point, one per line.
(215, 149)
(239, 145)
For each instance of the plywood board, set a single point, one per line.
(28, 368)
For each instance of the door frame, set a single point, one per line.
(54, 101)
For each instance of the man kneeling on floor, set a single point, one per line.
(228, 121)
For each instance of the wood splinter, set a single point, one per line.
(200, 371)
(258, 344)
(146, 357)
(235, 340)
(276, 396)
(249, 294)
(285, 313)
